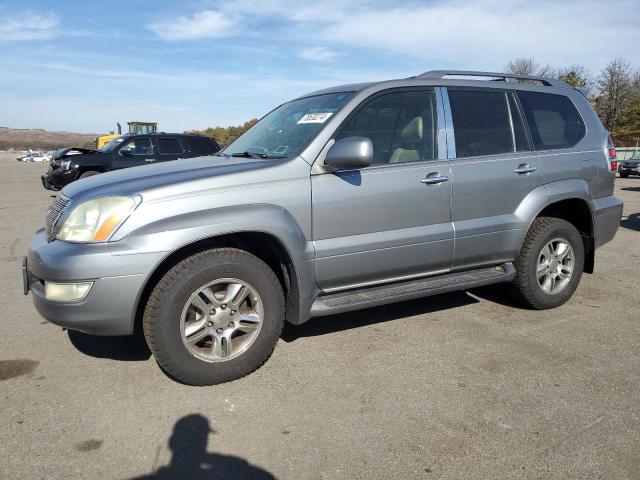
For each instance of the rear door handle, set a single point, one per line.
(434, 178)
(524, 168)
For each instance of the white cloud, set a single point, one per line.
(204, 24)
(317, 54)
(486, 33)
(29, 25)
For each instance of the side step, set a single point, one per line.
(366, 297)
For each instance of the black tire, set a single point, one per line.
(624, 175)
(88, 173)
(161, 321)
(542, 231)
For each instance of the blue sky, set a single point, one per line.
(85, 65)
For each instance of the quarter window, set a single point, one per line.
(553, 120)
(169, 146)
(138, 146)
(401, 126)
(481, 122)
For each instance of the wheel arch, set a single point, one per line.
(264, 245)
(570, 200)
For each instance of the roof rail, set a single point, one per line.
(503, 77)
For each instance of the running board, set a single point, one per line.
(366, 297)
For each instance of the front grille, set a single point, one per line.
(54, 213)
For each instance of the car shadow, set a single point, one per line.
(191, 460)
(384, 313)
(127, 349)
(632, 222)
(631, 189)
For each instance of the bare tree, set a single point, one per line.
(614, 91)
(529, 66)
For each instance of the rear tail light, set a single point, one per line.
(611, 153)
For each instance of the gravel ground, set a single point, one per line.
(464, 385)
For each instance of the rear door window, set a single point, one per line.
(553, 120)
(169, 146)
(201, 145)
(481, 122)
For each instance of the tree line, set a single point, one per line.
(614, 92)
(225, 135)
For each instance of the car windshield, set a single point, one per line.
(109, 147)
(288, 129)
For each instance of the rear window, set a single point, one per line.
(202, 145)
(553, 120)
(481, 122)
(168, 146)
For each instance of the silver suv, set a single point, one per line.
(342, 199)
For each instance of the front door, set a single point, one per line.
(134, 152)
(389, 221)
(493, 171)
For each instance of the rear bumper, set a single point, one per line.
(118, 280)
(607, 213)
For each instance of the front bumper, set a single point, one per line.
(629, 170)
(57, 179)
(109, 307)
(607, 213)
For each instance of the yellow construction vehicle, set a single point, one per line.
(135, 127)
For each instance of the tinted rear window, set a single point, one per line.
(202, 145)
(553, 120)
(481, 122)
(168, 146)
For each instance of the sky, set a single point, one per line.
(85, 65)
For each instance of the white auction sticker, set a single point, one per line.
(320, 117)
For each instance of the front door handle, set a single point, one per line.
(524, 169)
(434, 178)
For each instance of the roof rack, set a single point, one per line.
(502, 77)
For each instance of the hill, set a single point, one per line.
(38, 139)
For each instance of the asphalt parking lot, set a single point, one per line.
(465, 385)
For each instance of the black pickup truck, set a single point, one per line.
(70, 164)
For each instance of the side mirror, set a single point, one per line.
(126, 152)
(351, 153)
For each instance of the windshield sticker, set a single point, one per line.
(320, 117)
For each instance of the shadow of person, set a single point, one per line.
(191, 461)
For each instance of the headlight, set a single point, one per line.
(95, 220)
(65, 164)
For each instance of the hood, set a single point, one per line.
(175, 177)
(71, 152)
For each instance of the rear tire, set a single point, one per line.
(89, 173)
(173, 317)
(550, 263)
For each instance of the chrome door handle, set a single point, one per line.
(434, 179)
(524, 168)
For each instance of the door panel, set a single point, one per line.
(383, 222)
(379, 223)
(486, 195)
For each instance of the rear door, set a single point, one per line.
(493, 170)
(169, 148)
(391, 220)
(134, 152)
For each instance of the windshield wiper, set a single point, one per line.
(246, 154)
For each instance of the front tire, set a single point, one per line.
(624, 175)
(550, 263)
(214, 317)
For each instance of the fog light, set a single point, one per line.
(66, 292)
